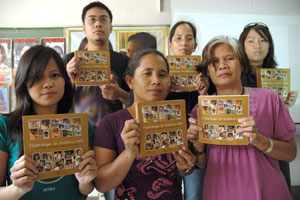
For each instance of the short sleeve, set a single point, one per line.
(3, 134)
(105, 134)
(272, 117)
(285, 128)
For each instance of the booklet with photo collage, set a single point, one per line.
(218, 117)
(163, 126)
(182, 71)
(276, 79)
(94, 67)
(57, 142)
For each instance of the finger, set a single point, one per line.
(89, 153)
(245, 119)
(250, 135)
(131, 124)
(192, 137)
(181, 161)
(23, 173)
(87, 169)
(194, 129)
(86, 161)
(112, 79)
(23, 180)
(193, 120)
(249, 123)
(187, 155)
(249, 129)
(25, 162)
(133, 141)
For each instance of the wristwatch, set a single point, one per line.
(270, 147)
(187, 170)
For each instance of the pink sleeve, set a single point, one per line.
(271, 116)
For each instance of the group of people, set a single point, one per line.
(44, 84)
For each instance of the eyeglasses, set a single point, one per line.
(180, 39)
(101, 19)
(250, 25)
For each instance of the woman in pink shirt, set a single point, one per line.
(251, 171)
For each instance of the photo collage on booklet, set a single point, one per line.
(44, 129)
(182, 71)
(218, 118)
(95, 67)
(56, 142)
(163, 127)
(277, 80)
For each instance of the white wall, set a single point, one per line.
(67, 13)
(228, 17)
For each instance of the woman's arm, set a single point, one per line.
(282, 150)
(113, 170)
(23, 176)
(193, 137)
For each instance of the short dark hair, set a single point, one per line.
(263, 31)
(145, 40)
(173, 29)
(95, 4)
(134, 62)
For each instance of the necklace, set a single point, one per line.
(243, 91)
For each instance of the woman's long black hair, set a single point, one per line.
(30, 70)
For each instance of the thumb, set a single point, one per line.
(112, 79)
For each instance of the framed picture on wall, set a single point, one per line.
(6, 60)
(58, 44)
(119, 37)
(20, 46)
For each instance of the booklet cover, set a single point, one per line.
(4, 98)
(218, 117)
(58, 44)
(94, 67)
(182, 71)
(275, 79)
(57, 142)
(163, 126)
(6, 60)
(20, 46)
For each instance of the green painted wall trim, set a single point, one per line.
(31, 32)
